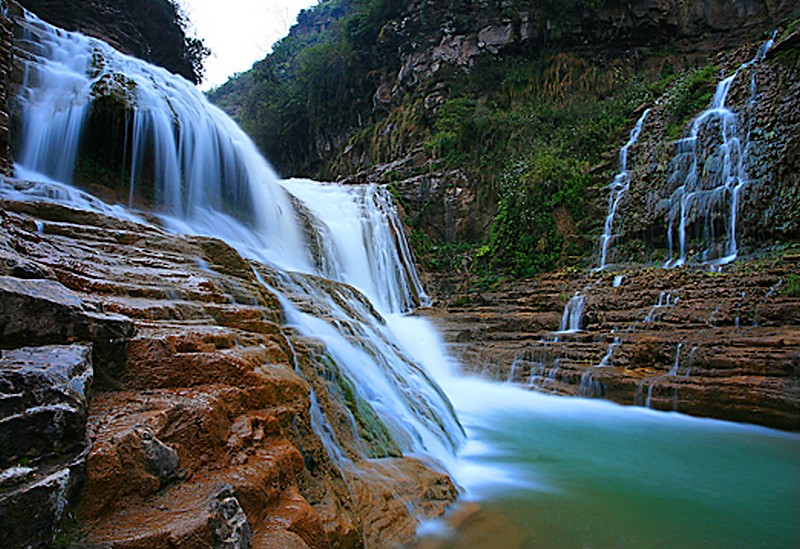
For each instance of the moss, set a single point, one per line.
(372, 431)
(691, 94)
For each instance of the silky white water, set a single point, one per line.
(567, 472)
(619, 187)
(709, 172)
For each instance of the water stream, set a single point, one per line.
(565, 472)
(709, 171)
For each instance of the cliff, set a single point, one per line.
(475, 111)
(153, 392)
(153, 30)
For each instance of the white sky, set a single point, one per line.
(239, 32)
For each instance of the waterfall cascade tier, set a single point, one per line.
(709, 172)
(210, 179)
(618, 188)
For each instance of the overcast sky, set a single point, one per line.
(239, 32)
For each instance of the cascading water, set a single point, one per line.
(709, 171)
(573, 314)
(547, 464)
(202, 168)
(618, 187)
(208, 178)
(361, 241)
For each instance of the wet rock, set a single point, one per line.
(228, 522)
(43, 414)
(715, 344)
(43, 401)
(31, 514)
(159, 459)
(42, 312)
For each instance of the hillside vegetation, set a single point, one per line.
(497, 123)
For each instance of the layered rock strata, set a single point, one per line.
(716, 344)
(199, 430)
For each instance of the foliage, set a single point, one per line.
(691, 94)
(792, 285)
(314, 85)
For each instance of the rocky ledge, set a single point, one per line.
(197, 431)
(715, 344)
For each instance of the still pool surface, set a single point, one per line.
(582, 473)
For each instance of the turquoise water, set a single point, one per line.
(578, 473)
(570, 472)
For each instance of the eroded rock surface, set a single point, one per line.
(200, 431)
(43, 411)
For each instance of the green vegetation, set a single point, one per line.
(792, 286)
(315, 85)
(534, 131)
(691, 94)
(528, 146)
(372, 431)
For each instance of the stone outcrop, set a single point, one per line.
(44, 394)
(199, 432)
(764, 96)
(715, 344)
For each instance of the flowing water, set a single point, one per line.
(709, 171)
(565, 472)
(618, 187)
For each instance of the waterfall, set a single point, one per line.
(708, 174)
(363, 241)
(203, 169)
(618, 187)
(573, 314)
(208, 178)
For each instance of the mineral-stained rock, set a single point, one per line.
(204, 428)
(43, 411)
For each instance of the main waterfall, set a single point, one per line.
(205, 176)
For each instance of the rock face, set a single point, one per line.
(199, 432)
(715, 344)
(764, 97)
(147, 29)
(43, 411)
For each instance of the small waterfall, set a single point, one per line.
(208, 178)
(606, 360)
(674, 370)
(364, 244)
(573, 314)
(708, 174)
(665, 299)
(618, 187)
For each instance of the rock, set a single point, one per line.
(228, 522)
(209, 393)
(43, 402)
(159, 459)
(31, 515)
(723, 345)
(43, 414)
(41, 312)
